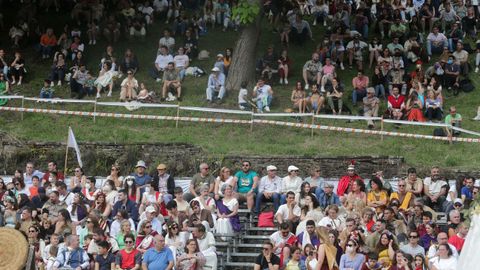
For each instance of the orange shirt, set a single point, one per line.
(45, 40)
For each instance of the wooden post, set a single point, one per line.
(251, 120)
(381, 128)
(94, 111)
(178, 116)
(313, 122)
(23, 107)
(66, 156)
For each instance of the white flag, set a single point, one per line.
(72, 142)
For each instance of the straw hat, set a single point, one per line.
(13, 249)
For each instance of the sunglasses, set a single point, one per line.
(401, 185)
(246, 165)
(148, 227)
(350, 245)
(32, 231)
(128, 242)
(413, 236)
(17, 184)
(129, 73)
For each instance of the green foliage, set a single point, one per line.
(246, 11)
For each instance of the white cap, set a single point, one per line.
(292, 168)
(141, 163)
(477, 183)
(458, 200)
(220, 55)
(271, 168)
(150, 209)
(215, 69)
(351, 167)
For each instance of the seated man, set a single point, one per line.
(206, 245)
(216, 85)
(308, 236)
(171, 82)
(312, 71)
(435, 189)
(289, 212)
(269, 189)
(300, 30)
(267, 259)
(360, 84)
(396, 104)
(436, 42)
(452, 73)
(370, 106)
(454, 119)
(246, 181)
(263, 94)
(72, 256)
(282, 240)
(355, 51)
(461, 56)
(161, 63)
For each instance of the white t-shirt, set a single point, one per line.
(181, 61)
(432, 251)
(445, 264)
(283, 211)
(163, 60)
(168, 42)
(276, 238)
(434, 187)
(242, 95)
(331, 223)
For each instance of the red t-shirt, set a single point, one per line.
(457, 242)
(128, 259)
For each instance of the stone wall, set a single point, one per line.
(184, 159)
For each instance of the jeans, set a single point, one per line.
(380, 90)
(46, 50)
(212, 91)
(262, 104)
(261, 198)
(477, 60)
(439, 49)
(58, 74)
(45, 94)
(358, 95)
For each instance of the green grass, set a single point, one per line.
(228, 138)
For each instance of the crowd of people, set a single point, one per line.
(433, 37)
(146, 221)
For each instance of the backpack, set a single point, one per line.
(466, 85)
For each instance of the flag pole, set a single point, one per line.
(66, 155)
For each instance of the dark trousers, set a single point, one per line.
(298, 38)
(434, 114)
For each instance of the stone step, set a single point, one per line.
(239, 265)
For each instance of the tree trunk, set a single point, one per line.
(242, 68)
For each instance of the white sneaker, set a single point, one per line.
(267, 109)
(59, 83)
(324, 23)
(322, 89)
(90, 42)
(109, 93)
(98, 95)
(281, 81)
(314, 22)
(306, 86)
(342, 67)
(476, 118)
(159, 80)
(94, 42)
(52, 84)
(19, 83)
(476, 70)
(286, 81)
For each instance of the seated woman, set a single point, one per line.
(17, 69)
(414, 108)
(129, 257)
(298, 98)
(386, 248)
(144, 95)
(224, 178)
(145, 237)
(377, 197)
(284, 64)
(129, 85)
(59, 68)
(311, 211)
(433, 106)
(357, 193)
(175, 239)
(315, 100)
(228, 220)
(105, 79)
(192, 259)
(335, 93)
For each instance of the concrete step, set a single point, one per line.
(239, 265)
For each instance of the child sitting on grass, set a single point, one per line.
(47, 90)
